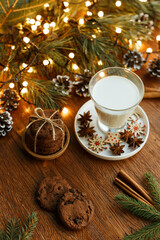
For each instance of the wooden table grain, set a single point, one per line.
(20, 175)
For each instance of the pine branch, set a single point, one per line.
(27, 230)
(13, 230)
(138, 208)
(153, 189)
(146, 233)
(1, 235)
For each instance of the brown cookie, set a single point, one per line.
(50, 190)
(75, 210)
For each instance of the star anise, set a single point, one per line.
(117, 148)
(86, 131)
(133, 142)
(126, 135)
(85, 118)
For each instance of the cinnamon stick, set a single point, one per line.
(130, 191)
(136, 186)
(152, 92)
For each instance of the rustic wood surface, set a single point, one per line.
(20, 175)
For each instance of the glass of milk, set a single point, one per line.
(116, 92)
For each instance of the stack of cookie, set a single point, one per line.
(74, 208)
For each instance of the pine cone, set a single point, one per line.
(5, 123)
(143, 19)
(64, 82)
(154, 67)
(81, 84)
(9, 100)
(133, 59)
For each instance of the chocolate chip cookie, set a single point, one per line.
(50, 190)
(75, 210)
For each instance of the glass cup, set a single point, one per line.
(130, 91)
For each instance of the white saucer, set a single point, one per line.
(107, 154)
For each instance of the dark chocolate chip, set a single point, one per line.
(68, 202)
(59, 188)
(77, 220)
(71, 190)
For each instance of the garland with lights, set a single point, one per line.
(45, 39)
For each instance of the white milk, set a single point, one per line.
(114, 93)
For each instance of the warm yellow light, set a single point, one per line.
(118, 3)
(100, 62)
(158, 38)
(88, 3)
(149, 50)
(65, 111)
(5, 69)
(139, 43)
(24, 90)
(24, 65)
(50, 60)
(30, 70)
(71, 55)
(75, 67)
(46, 25)
(45, 30)
(100, 14)
(45, 62)
(11, 85)
(25, 83)
(89, 13)
(66, 10)
(118, 30)
(101, 74)
(143, 0)
(130, 42)
(37, 23)
(32, 21)
(66, 19)
(52, 24)
(81, 21)
(34, 27)
(66, 4)
(26, 39)
(94, 36)
(27, 110)
(46, 5)
(38, 17)
(13, 47)
(27, 20)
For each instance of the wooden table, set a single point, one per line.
(20, 175)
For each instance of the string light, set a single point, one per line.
(130, 42)
(94, 36)
(118, 3)
(46, 25)
(30, 70)
(45, 62)
(66, 19)
(13, 47)
(5, 69)
(66, 10)
(100, 14)
(46, 5)
(38, 17)
(101, 74)
(34, 27)
(118, 30)
(24, 90)
(52, 24)
(26, 39)
(25, 84)
(32, 21)
(24, 65)
(158, 38)
(11, 85)
(27, 20)
(143, 0)
(65, 111)
(27, 110)
(75, 67)
(66, 4)
(46, 31)
(149, 50)
(139, 43)
(81, 21)
(88, 3)
(37, 23)
(89, 13)
(71, 55)
(50, 60)
(100, 62)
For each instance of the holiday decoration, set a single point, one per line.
(117, 149)
(81, 83)
(85, 118)
(9, 100)
(96, 143)
(86, 131)
(133, 117)
(144, 211)
(126, 135)
(136, 128)
(64, 82)
(154, 67)
(133, 142)
(14, 231)
(143, 19)
(5, 123)
(133, 59)
(112, 138)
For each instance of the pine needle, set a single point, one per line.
(13, 230)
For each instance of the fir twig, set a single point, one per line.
(13, 230)
(153, 189)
